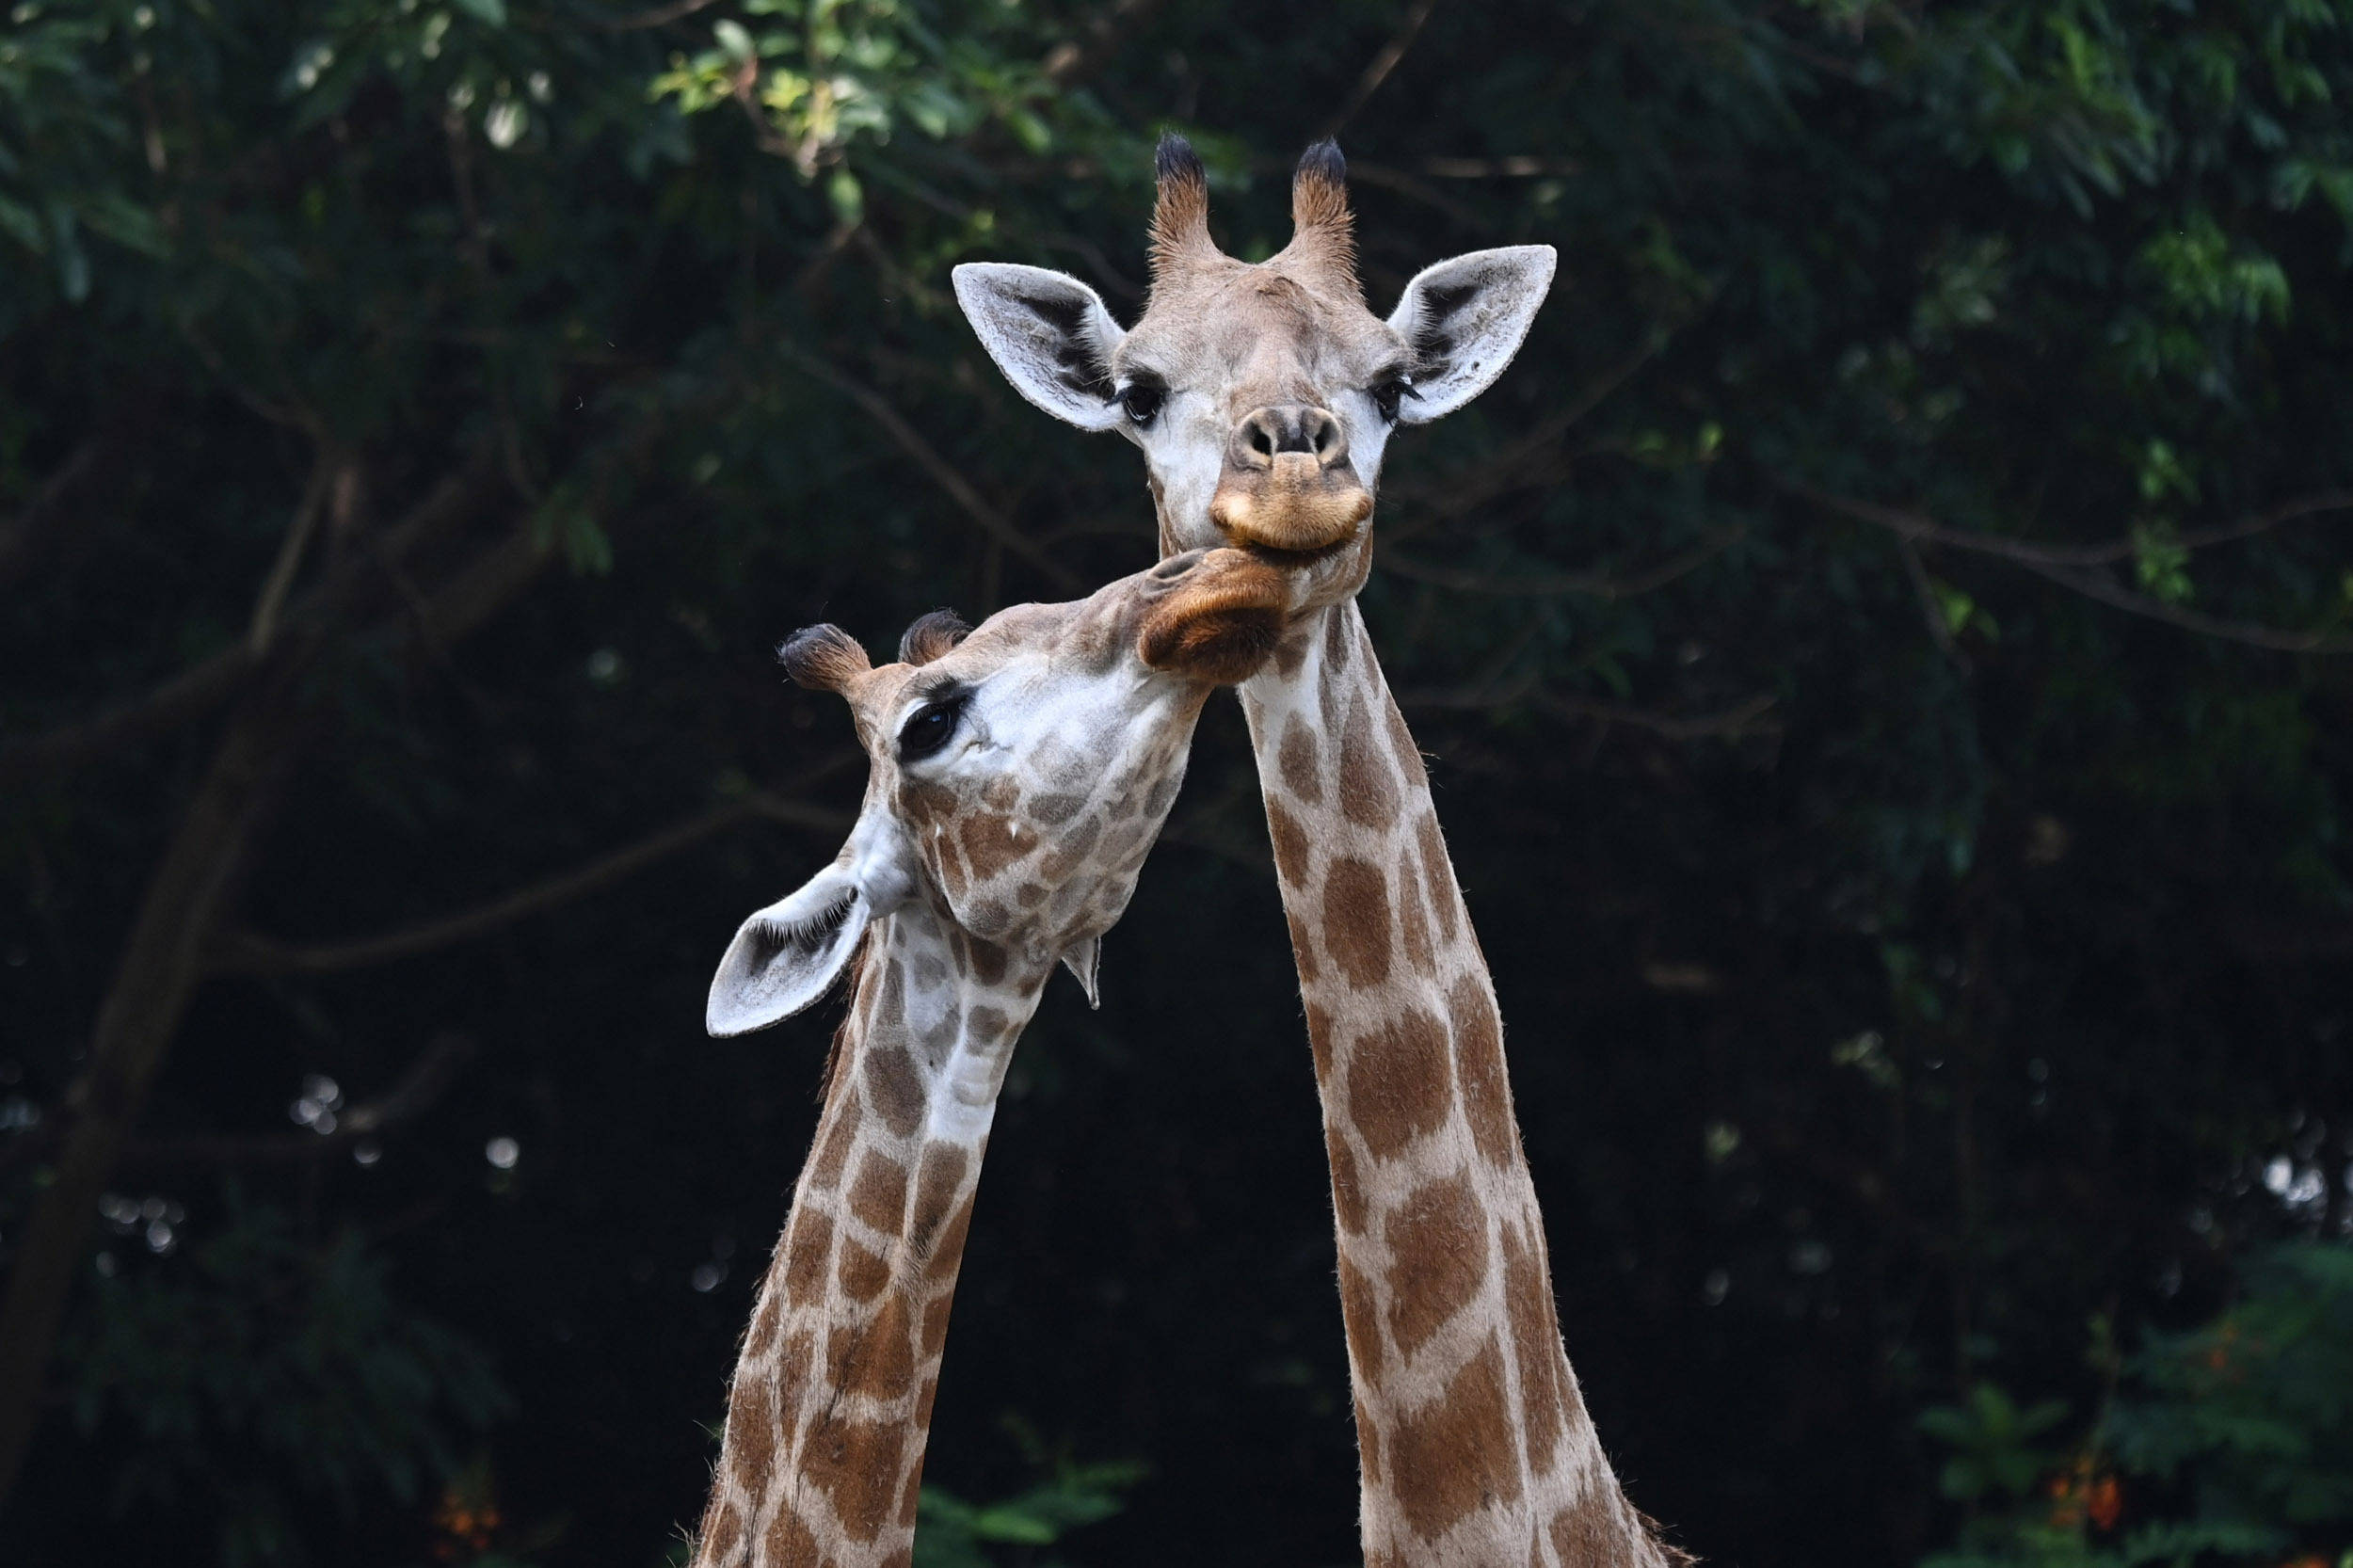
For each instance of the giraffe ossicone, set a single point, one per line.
(1263, 396)
(1018, 776)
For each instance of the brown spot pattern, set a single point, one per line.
(1368, 784)
(1438, 1238)
(1368, 1443)
(1399, 1084)
(1348, 1191)
(1535, 1347)
(862, 1273)
(879, 1195)
(1457, 1453)
(988, 961)
(790, 1544)
(1440, 872)
(1302, 948)
(1356, 921)
(752, 1431)
(1408, 754)
(1301, 763)
(876, 1360)
(807, 1245)
(948, 1251)
(855, 1463)
(1412, 926)
(1319, 1041)
(1290, 845)
(894, 1086)
(1362, 1317)
(937, 1181)
(993, 842)
(1478, 1057)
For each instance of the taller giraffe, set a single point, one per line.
(1263, 398)
(1017, 779)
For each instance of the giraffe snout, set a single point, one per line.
(1287, 483)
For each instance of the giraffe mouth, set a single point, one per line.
(1222, 622)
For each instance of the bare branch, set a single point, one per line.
(1377, 72)
(21, 534)
(272, 599)
(1546, 584)
(248, 952)
(992, 521)
(2064, 564)
(195, 690)
(415, 1092)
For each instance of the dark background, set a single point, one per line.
(1882, 647)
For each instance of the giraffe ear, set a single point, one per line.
(1081, 960)
(789, 954)
(1464, 319)
(1049, 333)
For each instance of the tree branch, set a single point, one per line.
(992, 521)
(21, 535)
(415, 1092)
(1377, 72)
(1545, 585)
(249, 953)
(2062, 564)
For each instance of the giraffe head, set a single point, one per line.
(1018, 773)
(1263, 396)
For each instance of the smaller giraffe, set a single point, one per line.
(1018, 776)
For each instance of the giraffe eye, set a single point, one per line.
(1387, 394)
(1142, 402)
(933, 726)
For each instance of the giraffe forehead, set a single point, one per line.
(1241, 323)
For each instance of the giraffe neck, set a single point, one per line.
(1474, 1444)
(831, 1403)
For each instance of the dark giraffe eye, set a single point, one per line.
(1142, 402)
(932, 728)
(1387, 394)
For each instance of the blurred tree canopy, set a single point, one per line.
(1884, 646)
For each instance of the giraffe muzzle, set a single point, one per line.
(1287, 484)
(1220, 621)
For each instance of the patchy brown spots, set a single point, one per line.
(1338, 639)
(1368, 784)
(890, 1008)
(1030, 894)
(895, 1088)
(876, 1360)
(1347, 1191)
(1478, 1057)
(923, 803)
(993, 842)
(937, 1181)
(767, 1320)
(752, 1431)
(1356, 921)
(988, 961)
(1400, 1083)
(989, 1024)
(1408, 755)
(1300, 761)
(948, 1251)
(911, 1500)
(936, 1326)
(1589, 1533)
(807, 1243)
(1535, 1346)
(1163, 796)
(862, 1273)
(952, 873)
(1001, 794)
(1302, 948)
(879, 1195)
(1361, 1315)
(790, 1544)
(1438, 1250)
(1440, 872)
(1456, 1453)
(722, 1534)
(923, 1399)
(855, 1463)
(1291, 651)
(1367, 1443)
(1412, 926)
(1055, 808)
(1319, 1041)
(1070, 853)
(1290, 845)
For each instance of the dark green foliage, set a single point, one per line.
(1883, 647)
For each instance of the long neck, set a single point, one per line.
(1473, 1440)
(831, 1403)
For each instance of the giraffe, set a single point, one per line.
(1263, 396)
(1018, 775)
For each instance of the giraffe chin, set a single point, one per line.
(1222, 623)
